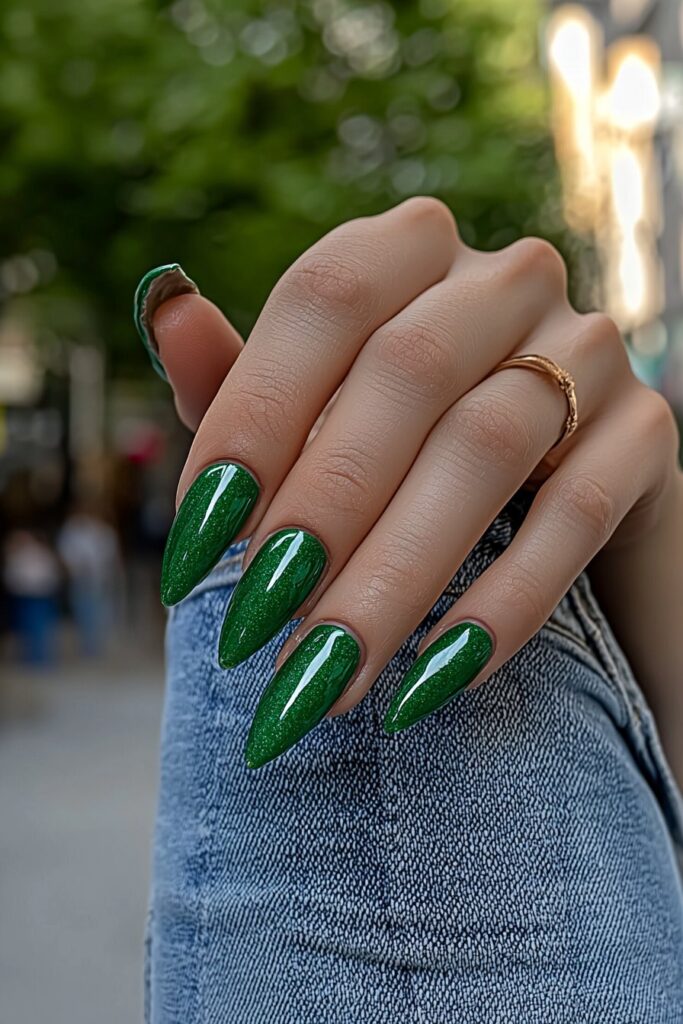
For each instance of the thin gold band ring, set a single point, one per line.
(564, 380)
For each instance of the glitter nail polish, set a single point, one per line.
(440, 673)
(280, 578)
(302, 691)
(212, 512)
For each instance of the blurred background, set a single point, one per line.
(228, 136)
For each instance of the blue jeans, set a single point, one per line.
(513, 858)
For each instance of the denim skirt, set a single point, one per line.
(513, 858)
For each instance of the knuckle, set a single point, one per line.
(342, 478)
(657, 421)
(521, 587)
(582, 498)
(534, 258)
(264, 405)
(330, 280)
(428, 208)
(395, 584)
(599, 337)
(418, 356)
(495, 429)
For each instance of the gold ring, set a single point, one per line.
(564, 380)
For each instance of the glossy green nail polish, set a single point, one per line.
(157, 286)
(301, 692)
(439, 674)
(212, 512)
(280, 578)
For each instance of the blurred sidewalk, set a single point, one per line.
(78, 774)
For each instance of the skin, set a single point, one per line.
(420, 448)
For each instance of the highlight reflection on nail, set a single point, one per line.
(211, 514)
(301, 692)
(282, 575)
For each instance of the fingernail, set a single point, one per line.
(280, 578)
(441, 672)
(212, 512)
(301, 692)
(158, 285)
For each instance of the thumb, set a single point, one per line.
(189, 340)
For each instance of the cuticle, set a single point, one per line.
(362, 656)
(468, 618)
(485, 626)
(282, 529)
(222, 462)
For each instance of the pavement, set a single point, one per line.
(78, 777)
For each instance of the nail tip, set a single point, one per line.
(231, 652)
(171, 594)
(231, 659)
(257, 755)
(392, 726)
(168, 598)
(151, 275)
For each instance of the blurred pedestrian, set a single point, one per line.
(32, 579)
(89, 549)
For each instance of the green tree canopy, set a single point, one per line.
(229, 135)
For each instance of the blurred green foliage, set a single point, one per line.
(229, 135)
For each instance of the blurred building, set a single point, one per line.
(616, 68)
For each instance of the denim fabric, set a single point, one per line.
(510, 859)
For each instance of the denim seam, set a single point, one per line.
(567, 634)
(147, 967)
(207, 857)
(595, 628)
(641, 718)
(390, 826)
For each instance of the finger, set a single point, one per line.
(473, 461)
(573, 515)
(477, 457)
(407, 374)
(310, 330)
(189, 341)
(312, 327)
(197, 347)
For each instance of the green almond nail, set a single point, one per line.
(302, 692)
(157, 286)
(211, 514)
(280, 578)
(441, 672)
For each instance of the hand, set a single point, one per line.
(361, 530)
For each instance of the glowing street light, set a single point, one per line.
(574, 45)
(629, 111)
(604, 127)
(633, 96)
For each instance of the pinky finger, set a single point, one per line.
(571, 518)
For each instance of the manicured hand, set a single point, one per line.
(361, 530)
